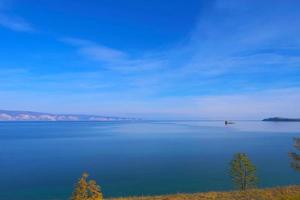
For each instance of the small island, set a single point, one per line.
(281, 119)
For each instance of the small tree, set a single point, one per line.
(94, 191)
(243, 172)
(86, 190)
(295, 164)
(80, 191)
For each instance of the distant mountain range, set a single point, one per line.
(281, 119)
(6, 115)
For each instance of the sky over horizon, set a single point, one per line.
(180, 59)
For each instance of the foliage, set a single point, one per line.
(94, 191)
(295, 164)
(243, 172)
(87, 190)
(80, 191)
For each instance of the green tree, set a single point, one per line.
(87, 190)
(243, 172)
(295, 164)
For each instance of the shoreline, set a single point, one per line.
(275, 193)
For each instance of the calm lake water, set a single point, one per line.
(43, 160)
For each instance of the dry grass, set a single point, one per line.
(280, 193)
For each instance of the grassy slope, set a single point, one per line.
(280, 193)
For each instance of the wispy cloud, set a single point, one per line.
(231, 28)
(15, 23)
(113, 58)
(227, 54)
(219, 44)
(96, 51)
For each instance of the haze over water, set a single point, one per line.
(43, 160)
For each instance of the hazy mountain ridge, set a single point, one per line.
(7, 115)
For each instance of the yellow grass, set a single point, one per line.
(280, 193)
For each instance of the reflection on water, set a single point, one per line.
(251, 125)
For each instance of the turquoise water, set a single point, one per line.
(43, 160)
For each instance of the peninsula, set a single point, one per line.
(281, 119)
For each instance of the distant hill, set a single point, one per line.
(281, 119)
(6, 115)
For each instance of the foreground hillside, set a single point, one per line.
(281, 193)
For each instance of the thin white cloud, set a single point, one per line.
(215, 46)
(96, 51)
(229, 29)
(113, 58)
(102, 53)
(15, 23)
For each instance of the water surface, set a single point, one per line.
(43, 160)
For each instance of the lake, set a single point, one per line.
(43, 160)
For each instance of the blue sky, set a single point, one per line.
(179, 59)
